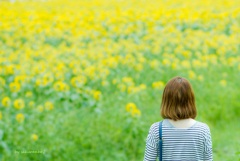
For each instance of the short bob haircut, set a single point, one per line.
(178, 101)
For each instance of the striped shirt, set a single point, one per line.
(179, 144)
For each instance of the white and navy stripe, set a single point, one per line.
(179, 144)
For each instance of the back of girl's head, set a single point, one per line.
(178, 101)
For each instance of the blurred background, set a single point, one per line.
(83, 80)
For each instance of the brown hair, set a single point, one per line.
(178, 101)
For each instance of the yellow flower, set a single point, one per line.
(31, 104)
(90, 71)
(196, 63)
(138, 67)
(131, 89)
(34, 137)
(38, 82)
(29, 94)
(2, 82)
(15, 87)
(60, 86)
(223, 83)
(200, 77)
(114, 81)
(45, 82)
(78, 81)
(18, 104)
(19, 79)
(20, 117)
(128, 81)
(47, 78)
(48, 105)
(136, 112)
(40, 108)
(104, 83)
(6, 101)
(97, 95)
(174, 65)
(166, 62)
(191, 74)
(133, 110)
(158, 85)
(143, 86)
(122, 87)
(186, 64)
(10, 69)
(186, 54)
(130, 106)
(154, 64)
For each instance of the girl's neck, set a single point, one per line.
(184, 123)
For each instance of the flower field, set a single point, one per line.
(82, 80)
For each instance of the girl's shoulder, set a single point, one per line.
(155, 127)
(200, 125)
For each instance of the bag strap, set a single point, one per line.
(160, 141)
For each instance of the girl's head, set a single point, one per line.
(178, 101)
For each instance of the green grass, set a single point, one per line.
(107, 132)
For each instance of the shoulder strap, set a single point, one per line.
(160, 141)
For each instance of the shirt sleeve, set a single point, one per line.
(207, 154)
(151, 151)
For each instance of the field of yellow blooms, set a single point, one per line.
(82, 80)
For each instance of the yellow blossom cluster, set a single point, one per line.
(192, 35)
(77, 49)
(34, 137)
(6, 102)
(158, 85)
(20, 117)
(133, 110)
(18, 104)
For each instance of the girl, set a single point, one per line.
(183, 137)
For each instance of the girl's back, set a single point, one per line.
(192, 143)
